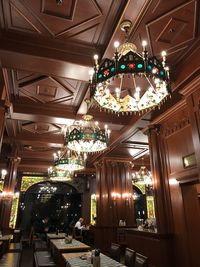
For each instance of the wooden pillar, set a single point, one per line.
(9, 186)
(3, 107)
(160, 180)
(114, 199)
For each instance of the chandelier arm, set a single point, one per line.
(121, 83)
(134, 82)
(149, 81)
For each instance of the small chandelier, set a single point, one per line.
(66, 160)
(132, 81)
(86, 136)
(143, 176)
(59, 175)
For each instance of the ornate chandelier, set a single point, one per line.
(86, 136)
(66, 160)
(132, 81)
(143, 176)
(59, 175)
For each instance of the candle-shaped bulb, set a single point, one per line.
(109, 131)
(117, 91)
(144, 44)
(91, 72)
(163, 54)
(96, 57)
(107, 92)
(116, 44)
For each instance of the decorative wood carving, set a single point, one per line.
(173, 30)
(177, 125)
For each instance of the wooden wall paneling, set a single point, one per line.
(160, 183)
(177, 138)
(112, 177)
(193, 103)
(2, 110)
(180, 241)
(192, 220)
(177, 150)
(157, 247)
(9, 185)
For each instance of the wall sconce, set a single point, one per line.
(3, 174)
(127, 197)
(115, 196)
(8, 195)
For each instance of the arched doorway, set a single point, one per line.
(60, 202)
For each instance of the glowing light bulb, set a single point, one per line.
(144, 44)
(163, 54)
(116, 44)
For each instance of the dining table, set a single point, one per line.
(59, 246)
(81, 260)
(6, 240)
(54, 236)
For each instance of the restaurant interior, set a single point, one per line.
(99, 133)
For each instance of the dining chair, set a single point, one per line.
(141, 261)
(129, 259)
(115, 252)
(77, 235)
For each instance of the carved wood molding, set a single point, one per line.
(170, 112)
(155, 128)
(191, 87)
(176, 126)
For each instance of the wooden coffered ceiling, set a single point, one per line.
(46, 51)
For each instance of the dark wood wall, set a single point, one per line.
(178, 137)
(173, 135)
(112, 176)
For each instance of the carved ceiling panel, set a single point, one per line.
(78, 20)
(173, 29)
(37, 148)
(46, 89)
(40, 128)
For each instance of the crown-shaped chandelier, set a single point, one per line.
(86, 136)
(59, 175)
(143, 176)
(67, 160)
(131, 81)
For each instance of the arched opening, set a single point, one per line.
(60, 202)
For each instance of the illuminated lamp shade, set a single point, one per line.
(130, 81)
(66, 160)
(59, 175)
(143, 176)
(87, 136)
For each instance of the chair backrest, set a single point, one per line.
(115, 252)
(129, 257)
(141, 261)
(77, 234)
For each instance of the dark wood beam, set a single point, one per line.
(59, 114)
(37, 140)
(15, 54)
